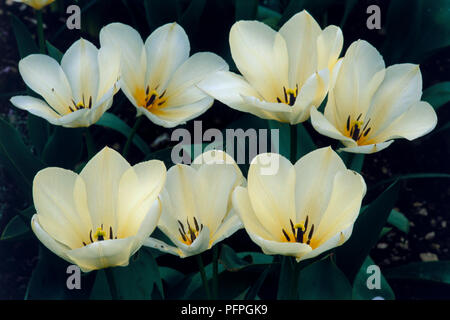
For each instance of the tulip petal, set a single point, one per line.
(301, 33)
(81, 67)
(191, 72)
(315, 173)
(228, 227)
(170, 117)
(293, 249)
(272, 195)
(102, 176)
(325, 127)
(133, 65)
(147, 225)
(161, 246)
(139, 187)
(261, 56)
(360, 75)
(416, 122)
(229, 88)
(368, 149)
(37, 107)
(401, 88)
(109, 66)
(167, 48)
(348, 190)
(329, 46)
(47, 240)
(46, 77)
(59, 197)
(103, 254)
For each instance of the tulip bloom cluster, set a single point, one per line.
(100, 217)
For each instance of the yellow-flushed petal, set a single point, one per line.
(348, 190)
(161, 246)
(103, 254)
(293, 249)
(218, 156)
(230, 88)
(191, 72)
(133, 62)
(325, 127)
(170, 117)
(200, 244)
(416, 122)
(139, 187)
(315, 173)
(214, 185)
(310, 96)
(228, 227)
(80, 64)
(272, 192)
(59, 197)
(48, 241)
(261, 56)
(36, 4)
(329, 47)
(301, 33)
(46, 77)
(147, 225)
(333, 242)
(109, 66)
(37, 107)
(243, 208)
(180, 184)
(269, 110)
(102, 176)
(400, 89)
(360, 75)
(167, 49)
(368, 149)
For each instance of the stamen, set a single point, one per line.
(181, 225)
(110, 233)
(196, 224)
(310, 235)
(90, 236)
(278, 100)
(286, 235)
(348, 123)
(182, 235)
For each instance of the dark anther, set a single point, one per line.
(348, 123)
(357, 119)
(84, 244)
(181, 225)
(196, 224)
(182, 235)
(292, 227)
(90, 102)
(100, 238)
(366, 132)
(193, 237)
(306, 223)
(286, 235)
(162, 95)
(365, 126)
(285, 94)
(151, 100)
(83, 99)
(90, 236)
(110, 233)
(310, 235)
(147, 91)
(161, 103)
(300, 234)
(355, 132)
(278, 100)
(70, 108)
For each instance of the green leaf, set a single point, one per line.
(233, 261)
(351, 255)
(286, 289)
(306, 144)
(111, 121)
(322, 280)
(25, 42)
(191, 16)
(357, 162)
(384, 232)
(268, 16)
(134, 282)
(49, 280)
(18, 161)
(255, 287)
(398, 220)
(435, 271)
(410, 176)
(361, 290)
(64, 148)
(437, 95)
(38, 132)
(54, 52)
(16, 229)
(246, 9)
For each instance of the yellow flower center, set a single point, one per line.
(299, 232)
(357, 129)
(189, 234)
(290, 95)
(150, 99)
(81, 105)
(100, 235)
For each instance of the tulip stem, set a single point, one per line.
(90, 146)
(40, 31)
(294, 143)
(216, 272)
(137, 124)
(201, 267)
(112, 284)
